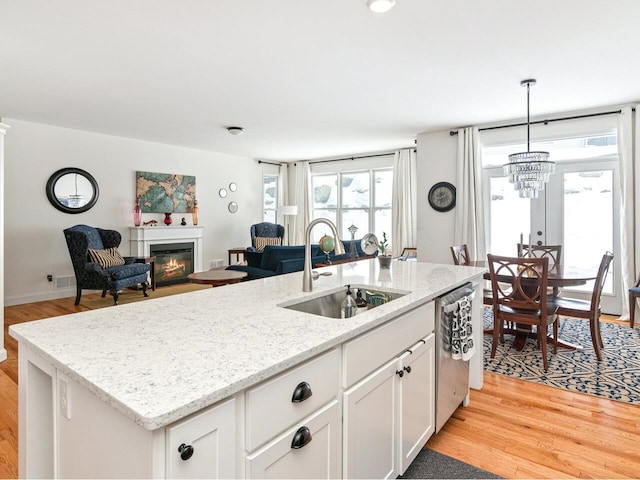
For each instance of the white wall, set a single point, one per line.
(34, 242)
(436, 163)
(3, 130)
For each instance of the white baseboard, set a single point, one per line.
(40, 296)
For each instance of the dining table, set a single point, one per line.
(558, 277)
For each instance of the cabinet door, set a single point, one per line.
(204, 446)
(300, 453)
(369, 425)
(417, 400)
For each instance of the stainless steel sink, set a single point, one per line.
(329, 305)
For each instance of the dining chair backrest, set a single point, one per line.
(525, 302)
(553, 252)
(527, 280)
(460, 254)
(601, 277)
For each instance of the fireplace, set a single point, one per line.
(174, 262)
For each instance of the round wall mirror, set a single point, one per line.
(72, 190)
(233, 187)
(222, 192)
(233, 207)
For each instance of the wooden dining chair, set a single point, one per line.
(573, 307)
(525, 302)
(634, 292)
(552, 252)
(460, 254)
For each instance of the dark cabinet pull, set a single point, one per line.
(186, 451)
(301, 438)
(408, 368)
(400, 373)
(301, 393)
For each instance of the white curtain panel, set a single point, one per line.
(628, 210)
(303, 201)
(283, 199)
(469, 211)
(283, 191)
(404, 203)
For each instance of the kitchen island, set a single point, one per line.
(107, 393)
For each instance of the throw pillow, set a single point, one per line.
(109, 257)
(262, 242)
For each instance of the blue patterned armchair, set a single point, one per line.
(265, 230)
(84, 242)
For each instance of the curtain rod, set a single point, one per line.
(356, 157)
(575, 117)
(269, 163)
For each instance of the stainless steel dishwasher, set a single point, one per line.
(452, 375)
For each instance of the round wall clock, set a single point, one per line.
(442, 196)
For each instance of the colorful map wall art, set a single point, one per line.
(165, 192)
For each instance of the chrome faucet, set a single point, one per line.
(307, 283)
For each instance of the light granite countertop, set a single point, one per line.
(162, 359)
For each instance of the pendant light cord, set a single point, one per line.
(528, 119)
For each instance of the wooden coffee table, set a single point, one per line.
(216, 278)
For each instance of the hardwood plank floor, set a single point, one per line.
(513, 428)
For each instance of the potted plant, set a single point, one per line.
(385, 253)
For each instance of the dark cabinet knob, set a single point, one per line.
(186, 451)
(400, 373)
(408, 368)
(301, 393)
(301, 438)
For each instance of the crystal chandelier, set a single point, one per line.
(529, 171)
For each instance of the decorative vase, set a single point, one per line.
(194, 212)
(385, 261)
(137, 213)
(167, 218)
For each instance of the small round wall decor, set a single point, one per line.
(442, 196)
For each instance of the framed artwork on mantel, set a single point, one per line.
(165, 192)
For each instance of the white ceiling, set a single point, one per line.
(309, 78)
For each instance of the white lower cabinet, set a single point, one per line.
(308, 450)
(389, 415)
(369, 425)
(204, 445)
(417, 401)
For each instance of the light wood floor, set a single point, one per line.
(513, 428)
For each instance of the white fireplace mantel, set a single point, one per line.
(143, 237)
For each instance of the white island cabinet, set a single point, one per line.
(208, 384)
(390, 414)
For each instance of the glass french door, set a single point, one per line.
(578, 209)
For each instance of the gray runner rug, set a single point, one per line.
(431, 464)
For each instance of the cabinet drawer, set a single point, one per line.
(370, 350)
(204, 445)
(319, 458)
(270, 408)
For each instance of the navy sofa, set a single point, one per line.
(280, 259)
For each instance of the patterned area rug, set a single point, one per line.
(617, 377)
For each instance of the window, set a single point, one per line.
(361, 198)
(269, 198)
(577, 207)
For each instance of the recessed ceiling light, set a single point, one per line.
(235, 130)
(380, 6)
